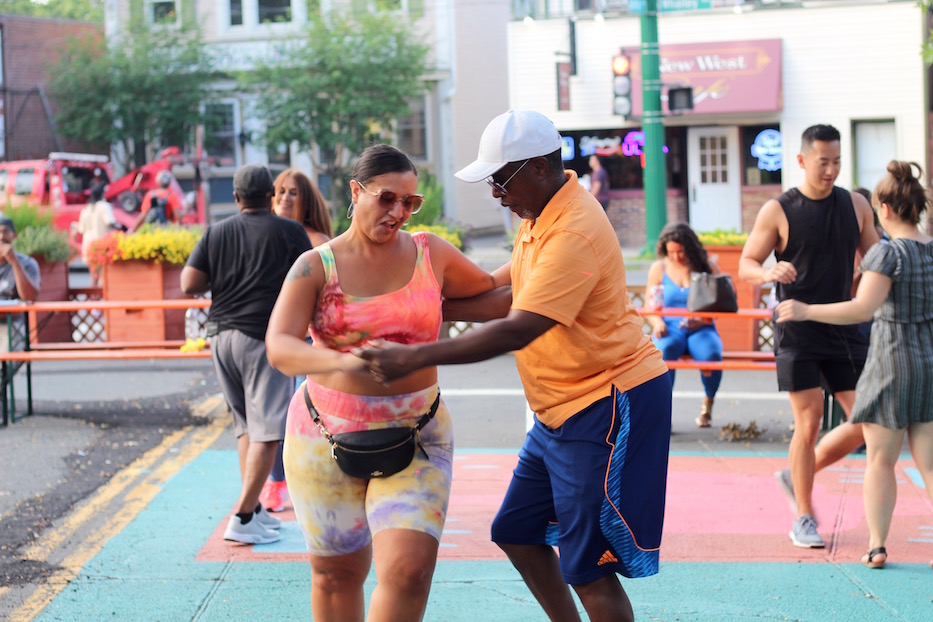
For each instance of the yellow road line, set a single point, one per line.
(137, 499)
(117, 484)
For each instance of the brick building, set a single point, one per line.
(28, 46)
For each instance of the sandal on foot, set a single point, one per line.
(706, 414)
(869, 558)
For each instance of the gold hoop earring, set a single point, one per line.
(350, 211)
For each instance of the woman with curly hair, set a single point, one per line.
(680, 254)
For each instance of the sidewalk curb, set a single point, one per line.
(82, 533)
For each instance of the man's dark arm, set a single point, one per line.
(193, 281)
(487, 306)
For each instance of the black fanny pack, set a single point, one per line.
(374, 453)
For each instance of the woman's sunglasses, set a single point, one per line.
(411, 203)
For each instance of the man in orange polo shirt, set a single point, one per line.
(591, 475)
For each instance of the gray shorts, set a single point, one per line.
(257, 394)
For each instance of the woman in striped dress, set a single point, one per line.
(894, 395)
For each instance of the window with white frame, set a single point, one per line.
(163, 12)
(413, 8)
(220, 138)
(875, 146)
(236, 12)
(274, 11)
(252, 13)
(412, 130)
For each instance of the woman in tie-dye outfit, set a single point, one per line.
(374, 282)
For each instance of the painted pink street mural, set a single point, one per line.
(720, 508)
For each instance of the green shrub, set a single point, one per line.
(28, 215)
(43, 242)
(433, 208)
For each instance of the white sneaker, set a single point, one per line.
(267, 520)
(253, 532)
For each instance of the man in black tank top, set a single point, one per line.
(814, 231)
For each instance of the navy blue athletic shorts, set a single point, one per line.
(595, 486)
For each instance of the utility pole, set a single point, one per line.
(653, 126)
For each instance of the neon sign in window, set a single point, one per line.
(769, 149)
(566, 148)
(634, 144)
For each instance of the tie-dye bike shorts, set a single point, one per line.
(338, 514)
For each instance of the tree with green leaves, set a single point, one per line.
(146, 89)
(81, 10)
(927, 6)
(341, 87)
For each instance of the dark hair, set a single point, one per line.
(97, 192)
(310, 208)
(865, 192)
(824, 133)
(694, 253)
(902, 191)
(381, 159)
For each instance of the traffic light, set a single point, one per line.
(621, 85)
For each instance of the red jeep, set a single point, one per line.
(62, 183)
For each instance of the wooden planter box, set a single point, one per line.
(143, 280)
(51, 327)
(737, 334)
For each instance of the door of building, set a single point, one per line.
(713, 176)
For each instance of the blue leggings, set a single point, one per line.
(703, 344)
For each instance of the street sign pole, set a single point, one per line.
(653, 125)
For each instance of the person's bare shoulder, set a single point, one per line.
(769, 232)
(861, 205)
(655, 272)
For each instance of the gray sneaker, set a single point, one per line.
(804, 533)
(267, 520)
(787, 487)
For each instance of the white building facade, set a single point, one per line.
(467, 83)
(761, 71)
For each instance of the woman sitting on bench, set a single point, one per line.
(668, 285)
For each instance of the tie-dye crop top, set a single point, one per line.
(411, 314)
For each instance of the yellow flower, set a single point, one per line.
(451, 235)
(172, 244)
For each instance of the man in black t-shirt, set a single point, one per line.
(814, 231)
(243, 261)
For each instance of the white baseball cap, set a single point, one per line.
(511, 137)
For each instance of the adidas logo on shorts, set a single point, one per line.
(607, 558)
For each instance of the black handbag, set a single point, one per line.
(374, 453)
(711, 292)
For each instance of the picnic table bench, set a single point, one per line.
(745, 360)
